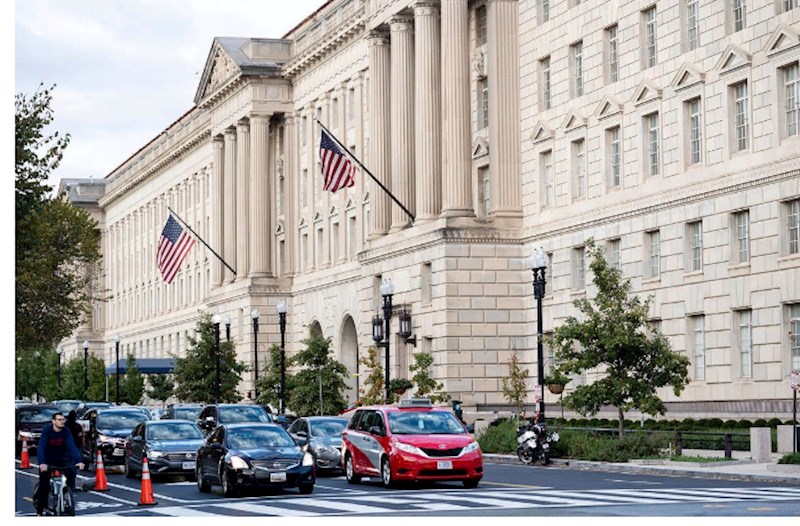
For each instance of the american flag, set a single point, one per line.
(173, 246)
(337, 169)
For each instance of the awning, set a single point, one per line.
(145, 366)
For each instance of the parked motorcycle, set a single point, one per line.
(533, 443)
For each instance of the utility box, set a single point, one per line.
(760, 444)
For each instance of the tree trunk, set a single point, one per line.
(621, 423)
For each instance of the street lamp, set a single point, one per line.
(215, 319)
(254, 314)
(227, 327)
(405, 328)
(116, 346)
(539, 269)
(282, 322)
(59, 352)
(85, 369)
(380, 333)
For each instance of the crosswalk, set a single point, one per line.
(407, 503)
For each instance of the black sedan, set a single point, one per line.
(107, 432)
(322, 437)
(170, 447)
(29, 421)
(235, 456)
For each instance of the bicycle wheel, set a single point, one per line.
(68, 502)
(52, 503)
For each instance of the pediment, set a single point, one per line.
(333, 211)
(783, 38)
(541, 133)
(573, 120)
(608, 106)
(646, 91)
(732, 59)
(480, 147)
(365, 199)
(317, 217)
(687, 76)
(281, 228)
(303, 223)
(350, 205)
(220, 69)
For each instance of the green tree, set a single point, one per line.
(514, 384)
(57, 244)
(195, 374)
(427, 387)
(319, 373)
(72, 379)
(372, 390)
(160, 386)
(613, 337)
(131, 387)
(269, 384)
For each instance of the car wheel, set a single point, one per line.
(228, 486)
(202, 485)
(350, 471)
(471, 483)
(386, 473)
(306, 489)
(129, 472)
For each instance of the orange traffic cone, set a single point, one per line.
(24, 461)
(147, 486)
(100, 482)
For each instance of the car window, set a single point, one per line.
(186, 413)
(294, 427)
(37, 415)
(424, 423)
(355, 420)
(255, 438)
(242, 413)
(174, 431)
(327, 428)
(120, 420)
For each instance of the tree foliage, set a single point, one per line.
(319, 371)
(613, 337)
(195, 374)
(270, 381)
(72, 379)
(131, 388)
(514, 389)
(372, 390)
(35, 373)
(160, 386)
(427, 386)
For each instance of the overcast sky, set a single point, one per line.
(124, 70)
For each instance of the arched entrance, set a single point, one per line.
(348, 355)
(315, 329)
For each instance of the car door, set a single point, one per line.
(136, 445)
(205, 454)
(216, 452)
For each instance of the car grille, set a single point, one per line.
(441, 472)
(177, 457)
(278, 464)
(442, 452)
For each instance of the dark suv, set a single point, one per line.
(29, 420)
(182, 412)
(213, 415)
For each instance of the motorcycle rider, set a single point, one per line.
(56, 448)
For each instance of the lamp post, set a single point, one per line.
(215, 319)
(380, 333)
(539, 269)
(59, 352)
(85, 369)
(282, 322)
(254, 314)
(227, 327)
(116, 347)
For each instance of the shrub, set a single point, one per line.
(499, 439)
(714, 423)
(744, 424)
(791, 458)
(729, 424)
(774, 422)
(760, 423)
(688, 423)
(604, 422)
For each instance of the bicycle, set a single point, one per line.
(60, 501)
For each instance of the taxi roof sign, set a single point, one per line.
(415, 402)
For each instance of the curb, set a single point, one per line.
(588, 465)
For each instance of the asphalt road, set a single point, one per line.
(506, 490)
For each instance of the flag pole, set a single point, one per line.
(171, 211)
(367, 171)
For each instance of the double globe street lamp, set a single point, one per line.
(281, 307)
(254, 314)
(215, 320)
(539, 269)
(379, 333)
(116, 347)
(59, 352)
(85, 369)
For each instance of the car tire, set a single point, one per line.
(229, 488)
(306, 489)
(386, 473)
(129, 471)
(202, 485)
(471, 483)
(350, 471)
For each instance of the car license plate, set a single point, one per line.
(188, 465)
(118, 452)
(277, 477)
(444, 464)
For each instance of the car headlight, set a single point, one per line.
(104, 438)
(308, 459)
(328, 450)
(26, 434)
(472, 446)
(239, 463)
(408, 448)
(156, 454)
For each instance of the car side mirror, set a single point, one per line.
(375, 430)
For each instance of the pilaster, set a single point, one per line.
(260, 238)
(379, 126)
(229, 192)
(402, 115)
(217, 218)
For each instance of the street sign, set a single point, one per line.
(537, 392)
(795, 382)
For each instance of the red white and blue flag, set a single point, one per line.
(173, 247)
(337, 170)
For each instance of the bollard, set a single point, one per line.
(678, 443)
(728, 445)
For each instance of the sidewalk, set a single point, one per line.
(742, 467)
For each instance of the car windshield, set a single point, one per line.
(424, 423)
(258, 438)
(252, 413)
(174, 431)
(187, 413)
(328, 428)
(37, 415)
(66, 407)
(120, 420)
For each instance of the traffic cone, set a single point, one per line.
(24, 461)
(147, 486)
(100, 482)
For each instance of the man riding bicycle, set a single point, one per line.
(56, 448)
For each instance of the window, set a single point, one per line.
(744, 333)
(320, 248)
(281, 194)
(742, 225)
(576, 52)
(304, 188)
(692, 24)
(351, 104)
(793, 226)
(695, 131)
(579, 168)
(579, 268)
(794, 336)
(335, 242)
(654, 326)
(544, 10)
(614, 155)
(613, 254)
(305, 263)
(694, 239)
(353, 237)
(427, 283)
(480, 25)
(281, 258)
(653, 154)
(739, 14)
(653, 251)
(544, 66)
(304, 132)
(335, 113)
(791, 83)
(790, 4)
(612, 54)
(485, 189)
(697, 334)
(649, 48)
(483, 103)
(549, 189)
(740, 119)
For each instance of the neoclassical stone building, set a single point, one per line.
(669, 131)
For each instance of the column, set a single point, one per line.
(427, 106)
(380, 138)
(402, 129)
(217, 183)
(503, 71)
(229, 191)
(260, 202)
(291, 203)
(243, 191)
(456, 112)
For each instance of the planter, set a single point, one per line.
(399, 391)
(555, 388)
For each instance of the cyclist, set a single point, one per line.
(56, 448)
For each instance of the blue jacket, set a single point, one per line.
(57, 448)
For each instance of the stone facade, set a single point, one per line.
(667, 131)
